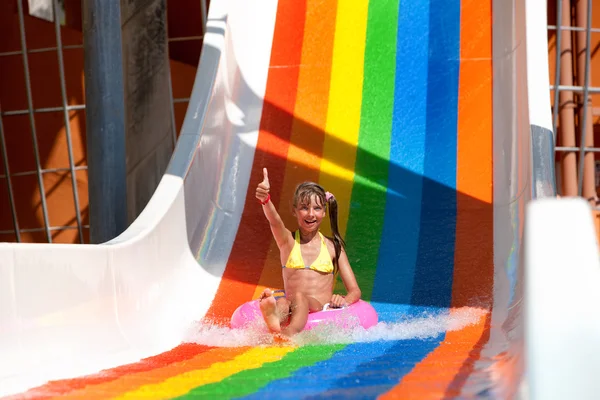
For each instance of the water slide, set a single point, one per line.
(428, 120)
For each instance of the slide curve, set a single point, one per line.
(429, 122)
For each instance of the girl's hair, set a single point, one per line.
(304, 192)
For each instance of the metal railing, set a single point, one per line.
(584, 90)
(63, 94)
(65, 108)
(30, 113)
(11, 195)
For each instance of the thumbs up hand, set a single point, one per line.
(262, 190)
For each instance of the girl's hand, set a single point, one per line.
(262, 190)
(337, 301)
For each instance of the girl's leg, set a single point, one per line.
(299, 309)
(283, 309)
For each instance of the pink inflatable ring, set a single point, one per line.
(360, 313)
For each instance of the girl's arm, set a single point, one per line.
(282, 235)
(350, 283)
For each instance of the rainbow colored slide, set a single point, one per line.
(421, 116)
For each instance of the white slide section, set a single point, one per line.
(562, 297)
(70, 310)
(73, 309)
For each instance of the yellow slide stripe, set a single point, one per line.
(345, 98)
(181, 384)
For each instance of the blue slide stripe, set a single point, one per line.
(398, 248)
(435, 262)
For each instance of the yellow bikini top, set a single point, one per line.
(321, 264)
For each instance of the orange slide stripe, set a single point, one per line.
(473, 260)
(453, 360)
(179, 354)
(444, 363)
(133, 381)
(306, 140)
(253, 239)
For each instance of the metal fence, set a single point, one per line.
(572, 105)
(7, 178)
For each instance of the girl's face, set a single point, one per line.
(310, 215)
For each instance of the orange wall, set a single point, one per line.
(50, 127)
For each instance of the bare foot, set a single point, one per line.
(269, 311)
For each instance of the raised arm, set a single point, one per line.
(282, 235)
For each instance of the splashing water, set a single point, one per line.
(424, 326)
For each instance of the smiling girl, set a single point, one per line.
(310, 260)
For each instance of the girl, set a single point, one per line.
(310, 261)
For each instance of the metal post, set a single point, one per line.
(173, 124)
(204, 12)
(105, 118)
(585, 106)
(568, 160)
(557, 35)
(11, 195)
(63, 91)
(36, 151)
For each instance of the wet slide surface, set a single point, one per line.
(388, 105)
